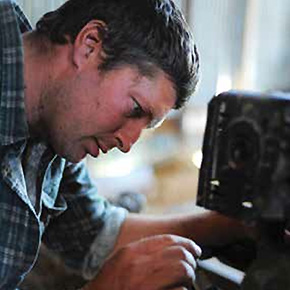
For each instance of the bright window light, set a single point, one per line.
(197, 158)
(224, 83)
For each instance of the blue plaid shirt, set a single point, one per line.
(63, 210)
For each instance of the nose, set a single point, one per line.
(128, 135)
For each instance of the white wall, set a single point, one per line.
(243, 44)
(246, 41)
(266, 64)
(34, 9)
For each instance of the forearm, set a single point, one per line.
(202, 226)
(147, 261)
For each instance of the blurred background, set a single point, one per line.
(243, 44)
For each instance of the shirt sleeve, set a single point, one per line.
(85, 234)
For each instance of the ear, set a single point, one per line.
(88, 44)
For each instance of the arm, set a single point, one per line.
(85, 233)
(158, 252)
(203, 226)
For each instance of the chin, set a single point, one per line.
(70, 155)
(74, 158)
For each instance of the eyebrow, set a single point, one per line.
(150, 115)
(147, 112)
(154, 121)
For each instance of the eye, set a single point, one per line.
(137, 111)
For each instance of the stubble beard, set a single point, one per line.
(47, 129)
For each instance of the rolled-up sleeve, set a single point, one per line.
(85, 233)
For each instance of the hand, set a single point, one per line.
(158, 262)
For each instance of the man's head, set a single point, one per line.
(117, 67)
(147, 33)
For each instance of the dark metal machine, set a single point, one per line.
(245, 174)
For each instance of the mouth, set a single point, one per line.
(102, 147)
(92, 147)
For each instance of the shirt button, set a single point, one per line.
(5, 171)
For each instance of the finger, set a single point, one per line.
(153, 244)
(163, 269)
(178, 253)
(183, 275)
(287, 236)
(194, 287)
(170, 274)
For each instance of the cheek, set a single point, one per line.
(109, 122)
(110, 118)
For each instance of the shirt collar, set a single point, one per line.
(13, 121)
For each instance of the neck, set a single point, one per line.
(36, 72)
(44, 64)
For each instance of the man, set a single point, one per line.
(91, 77)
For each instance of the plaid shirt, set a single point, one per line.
(67, 214)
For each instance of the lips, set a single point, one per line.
(92, 147)
(94, 151)
(103, 148)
